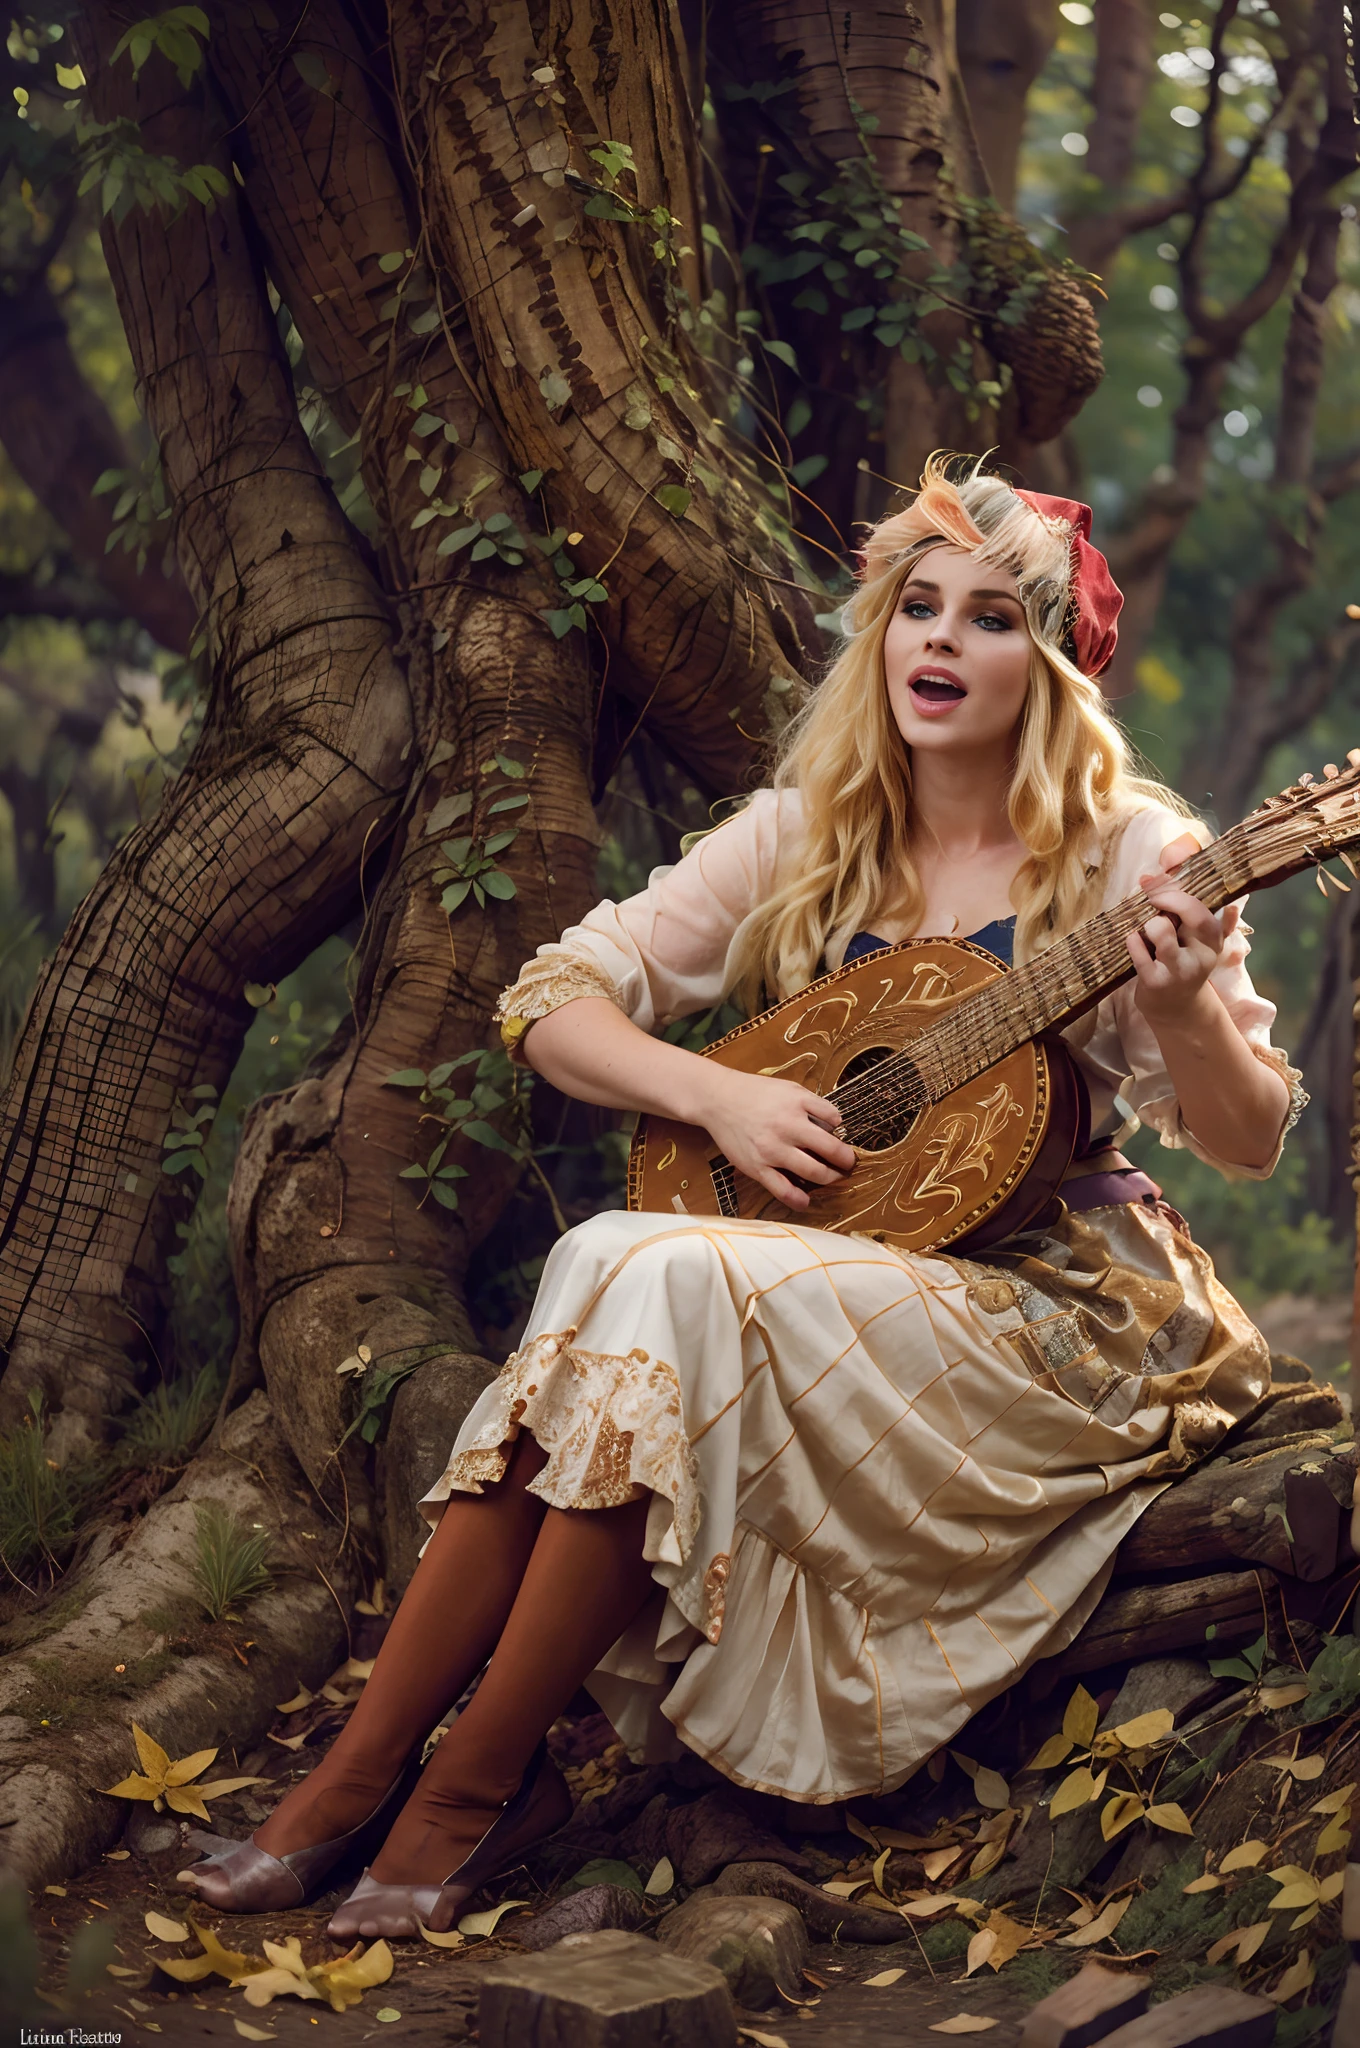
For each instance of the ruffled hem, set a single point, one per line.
(613, 1428)
(556, 975)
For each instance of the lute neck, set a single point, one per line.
(1067, 978)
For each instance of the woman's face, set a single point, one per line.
(956, 655)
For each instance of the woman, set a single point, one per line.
(800, 1500)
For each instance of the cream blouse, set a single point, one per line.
(672, 951)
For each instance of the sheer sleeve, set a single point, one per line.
(1118, 1047)
(670, 950)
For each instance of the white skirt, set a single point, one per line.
(882, 1484)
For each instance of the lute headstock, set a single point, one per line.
(1306, 824)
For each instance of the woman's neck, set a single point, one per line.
(960, 804)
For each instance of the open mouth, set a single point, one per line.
(934, 688)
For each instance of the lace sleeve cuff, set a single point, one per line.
(555, 976)
(1278, 1061)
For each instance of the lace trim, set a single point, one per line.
(1272, 1056)
(612, 1427)
(553, 977)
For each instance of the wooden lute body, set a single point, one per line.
(960, 1100)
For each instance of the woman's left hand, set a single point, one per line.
(1176, 952)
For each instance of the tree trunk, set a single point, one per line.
(255, 853)
(1002, 49)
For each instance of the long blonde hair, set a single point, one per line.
(1073, 778)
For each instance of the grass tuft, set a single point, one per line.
(167, 1427)
(231, 1562)
(40, 1501)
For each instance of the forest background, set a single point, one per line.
(939, 249)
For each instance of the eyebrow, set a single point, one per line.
(921, 583)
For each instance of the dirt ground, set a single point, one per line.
(94, 1925)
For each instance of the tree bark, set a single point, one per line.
(1124, 71)
(255, 853)
(1002, 49)
(60, 438)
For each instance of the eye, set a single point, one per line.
(917, 608)
(992, 622)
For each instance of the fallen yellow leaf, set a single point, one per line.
(1337, 1833)
(1332, 1802)
(268, 1985)
(991, 1789)
(116, 1855)
(1101, 1927)
(1272, 1697)
(301, 1698)
(861, 1833)
(1302, 1769)
(980, 1949)
(1296, 1978)
(1332, 1887)
(662, 1879)
(484, 1924)
(1077, 1789)
(1010, 1939)
(344, 1982)
(163, 1929)
(762, 2040)
(249, 2033)
(288, 1741)
(963, 2023)
(1079, 1722)
(1172, 1817)
(1244, 1940)
(221, 1786)
(845, 1887)
(453, 1939)
(55, 1891)
(926, 1909)
(884, 1978)
(1207, 1883)
(153, 1759)
(880, 1871)
(1245, 1856)
(189, 1766)
(1119, 1813)
(1052, 1752)
(938, 1861)
(1145, 1728)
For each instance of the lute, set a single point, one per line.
(962, 1103)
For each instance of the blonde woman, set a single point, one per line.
(795, 1499)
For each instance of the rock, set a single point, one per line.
(1174, 1682)
(644, 1841)
(827, 1918)
(702, 1838)
(759, 1944)
(1085, 2009)
(148, 1833)
(606, 1990)
(594, 1907)
(1212, 2016)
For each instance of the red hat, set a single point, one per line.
(1096, 598)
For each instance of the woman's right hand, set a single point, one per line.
(770, 1129)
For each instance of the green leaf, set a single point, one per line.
(782, 353)
(498, 842)
(453, 896)
(459, 539)
(405, 1077)
(508, 765)
(483, 549)
(530, 479)
(413, 1173)
(514, 802)
(457, 850)
(499, 885)
(561, 621)
(424, 323)
(673, 498)
(312, 71)
(452, 1173)
(448, 811)
(483, 1134)
(857, 317)
(446, 1196)
(553, 386)
(257, 995)
(428, 423)
(393, 260)
(177, 1162)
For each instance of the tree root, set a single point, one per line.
(136, 1649)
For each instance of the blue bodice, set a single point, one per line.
(997, 937)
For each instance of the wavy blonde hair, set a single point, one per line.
(1073, 776)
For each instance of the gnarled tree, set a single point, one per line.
(503, 247)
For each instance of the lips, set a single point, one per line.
(935, 689)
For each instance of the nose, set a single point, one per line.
(943, 637)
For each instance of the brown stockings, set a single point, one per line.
(547, 1591)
